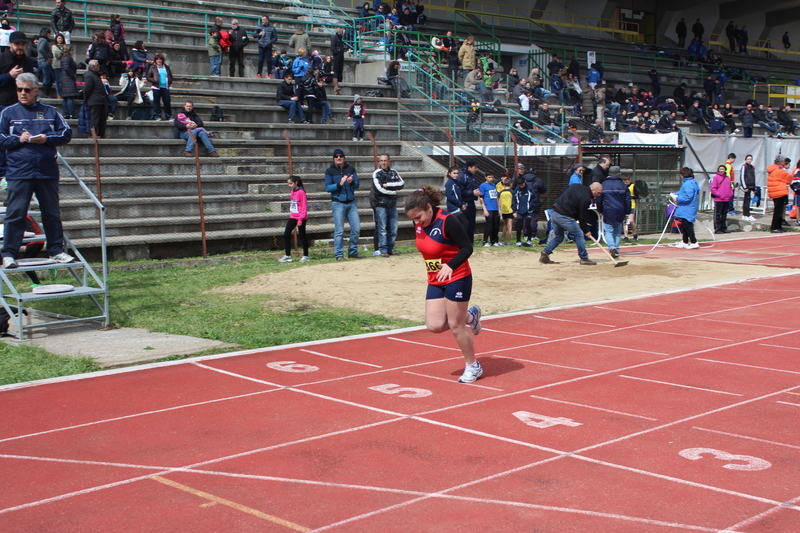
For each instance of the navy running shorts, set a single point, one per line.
(455, 291)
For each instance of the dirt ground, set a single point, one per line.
(505, 280)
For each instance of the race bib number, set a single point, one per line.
(293, 207)
(493, 194)
(433, 265)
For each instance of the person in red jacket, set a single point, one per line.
(778, 180)
(445, 248)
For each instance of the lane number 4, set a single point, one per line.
(542, 422)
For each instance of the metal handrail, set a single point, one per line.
(419, 43)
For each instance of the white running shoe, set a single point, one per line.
(486, 245)
(9, 262)
(476, 327)
(693, 246)
(376, 253)
(471, 373)
(679, 244)
(285, 259)
(496, 244)
(305, 259)
(551, 141)
(519, 243)
(62, 258)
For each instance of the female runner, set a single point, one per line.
(445, 248)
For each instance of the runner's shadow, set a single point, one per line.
(495, 366)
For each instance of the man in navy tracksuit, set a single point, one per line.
(615, 206)
(469, 193)
(30, 131)
(522, 204)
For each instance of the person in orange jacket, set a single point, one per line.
(778, 180)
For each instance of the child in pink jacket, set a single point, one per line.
(298, 217)
(722, 193)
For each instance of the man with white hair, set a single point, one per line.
(239, 40)
(30, 131)
(96, 97)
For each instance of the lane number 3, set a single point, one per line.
(751, 463)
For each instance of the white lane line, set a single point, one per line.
(450, 381)
(748, 438)
(630, 311)
(542, 363)
(144, 413)
(682, 386)
(735, 323)
(82, 462)
(760, 516)
(515, 334)
(424, 344)
(593, 407)
(236, 375)
(789, 403)
(574, 321)
(618, 348)
(685, 335)
(778, 346)
(747, 366)
(339, 358)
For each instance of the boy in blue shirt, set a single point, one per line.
(491, 211)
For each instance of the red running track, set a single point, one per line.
(674, 412)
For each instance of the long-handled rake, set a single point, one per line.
(616, 263)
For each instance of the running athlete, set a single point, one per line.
(445, 248)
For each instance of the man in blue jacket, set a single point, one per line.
(30, 131)
(267, 36)
(615, 205)
(341, 181)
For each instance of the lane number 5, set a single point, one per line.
(751, 463)
(403, 392)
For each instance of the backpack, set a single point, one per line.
(422, 19)
(224, 40)
(217, 115)
(373, 92)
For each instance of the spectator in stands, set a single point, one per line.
(131, 91)
(720, 115)
(191, 121)
(239, 41)
(474, 82)
(594, 76)
(712, 88)
(287, 98)
(7, 6)
(466, 54)
(141, 60)
(596, 131)
(698, 30)
(356, 112)
(680, 30)
(741, 38)
(321, 102)
(214, 53)
(600, 102)
(587, 104)
(95, 96)
(118, 31)
(770, 114)
(6, 30)
(547, 123)
(393, 17)
(32, 169)
(69, 86)
(341, 181)
(667, 123)
(46, 73)
(680, 96)
(525, 101)
(778, 180)
(280, 64)
(785, 120)
(306, 89)
(512, 78)
(761, 118)
(267, 35)
(574, 68)
(747, 117)
(555, 66)
(785, 41)
(13, 62)
(695, 115)
(100, 50)
(58, 50)
(33, 53)
(160, 77)
(300, 39)
(300, 64)
(111, 107)
(61, 20)
(623, 98)
(397, 82)
(730, 33)
(559, 88)
(326, 72)
(408, 19)
(119, 60)
(338, 48)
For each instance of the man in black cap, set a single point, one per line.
(341, 181)
(13, 62)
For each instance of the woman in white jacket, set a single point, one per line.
(131, 91)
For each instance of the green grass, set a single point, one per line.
(175, 300)
(27, 363)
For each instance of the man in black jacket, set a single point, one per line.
(569, 215)
(680, 29)
(555, 66)
(288, 99)
(600, 171)
(547, 123)
(96, 97)
(195, 125)
(62, 21)
(698, 30)
(239, 41)
(730, 33)
(338, 48)
(13, 62)
(694, 114)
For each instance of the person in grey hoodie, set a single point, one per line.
(300, 39)
(267, 36)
